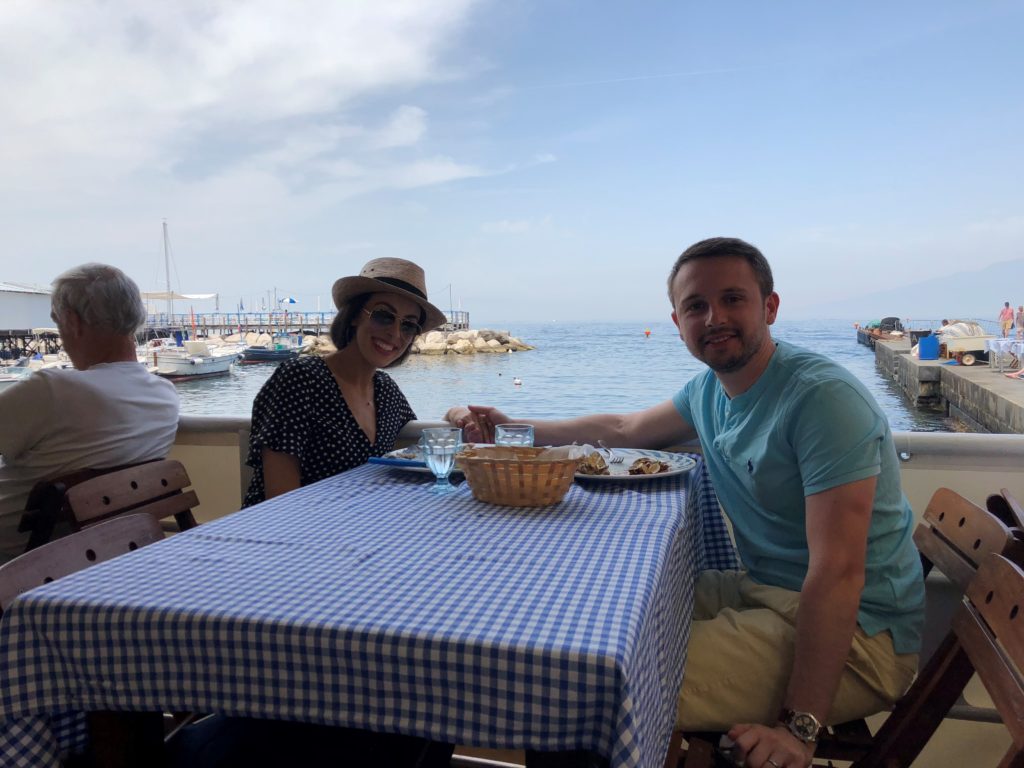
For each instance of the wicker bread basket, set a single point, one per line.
(514, 477)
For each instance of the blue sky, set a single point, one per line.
(547, 160)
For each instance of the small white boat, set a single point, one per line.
(192, 360)
(11, 374)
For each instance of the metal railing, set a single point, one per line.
(206, 322)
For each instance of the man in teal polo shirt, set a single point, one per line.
(823, 624)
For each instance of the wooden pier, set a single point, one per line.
(226, 323)
(979, 395)
(16, 343)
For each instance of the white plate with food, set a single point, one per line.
(637, 466)
(411, 458)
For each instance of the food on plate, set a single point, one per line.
(593, 464)
(646, 466)
(415, 452)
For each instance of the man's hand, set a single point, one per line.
(762, 746)
(477, 421)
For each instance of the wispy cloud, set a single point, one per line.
(1008, 225)
(406, 126)
(505, 227)
(638, 78)
(108, 89)
(514, 226)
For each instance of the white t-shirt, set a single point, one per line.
(61, 420)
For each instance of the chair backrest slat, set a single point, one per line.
(957, 534)
(73, 553)
(990, 626)
(126, 489)
(158, 509)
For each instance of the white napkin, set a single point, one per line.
(559, 452)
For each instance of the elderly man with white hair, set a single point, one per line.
(106, 412)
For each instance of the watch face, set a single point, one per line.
(805, 726)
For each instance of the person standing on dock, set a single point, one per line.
(1019, 321)
(824, 624)
(1006, 319)
(107, 412)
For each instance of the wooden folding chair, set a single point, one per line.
(45, 508)
(88, 496)
(156, 488)
(954, 536)
(990, 628)
(988, 638)
(76, 552)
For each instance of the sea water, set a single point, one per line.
(576, 368)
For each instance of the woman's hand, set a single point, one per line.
(477, 422)
(458, 416)
(484, 417)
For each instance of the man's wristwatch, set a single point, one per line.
(803, 725)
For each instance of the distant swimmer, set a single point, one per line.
(647, 332)
(517, 382)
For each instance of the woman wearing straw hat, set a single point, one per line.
(316, 417)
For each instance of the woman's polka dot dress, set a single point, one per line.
(301, 411)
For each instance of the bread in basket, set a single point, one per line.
(518, 477)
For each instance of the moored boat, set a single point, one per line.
(282, 347)
(886, 329)
(11, 374)
(193, 360)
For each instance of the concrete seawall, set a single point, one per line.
(977, 394)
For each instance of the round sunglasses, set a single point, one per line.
(383, 319)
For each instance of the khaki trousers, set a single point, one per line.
(741, 652)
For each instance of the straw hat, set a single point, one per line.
(390, 275)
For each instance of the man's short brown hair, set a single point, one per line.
(720, 247)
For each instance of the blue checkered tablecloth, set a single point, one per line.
(365, 601)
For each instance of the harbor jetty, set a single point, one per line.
(978, 395)
(469, 342)
(455, 337)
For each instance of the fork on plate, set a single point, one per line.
(611, 456)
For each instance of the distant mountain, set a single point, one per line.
(964, 295)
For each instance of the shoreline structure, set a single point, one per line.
(978, 395)
(467, 342)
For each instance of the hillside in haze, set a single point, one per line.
(968, 294)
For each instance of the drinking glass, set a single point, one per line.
(440, 444)
(514, 434)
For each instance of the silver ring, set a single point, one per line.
(773, 763)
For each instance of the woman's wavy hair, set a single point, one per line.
(104, 298)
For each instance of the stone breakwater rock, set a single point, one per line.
(481, 341)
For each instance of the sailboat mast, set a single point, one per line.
(167, 271)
